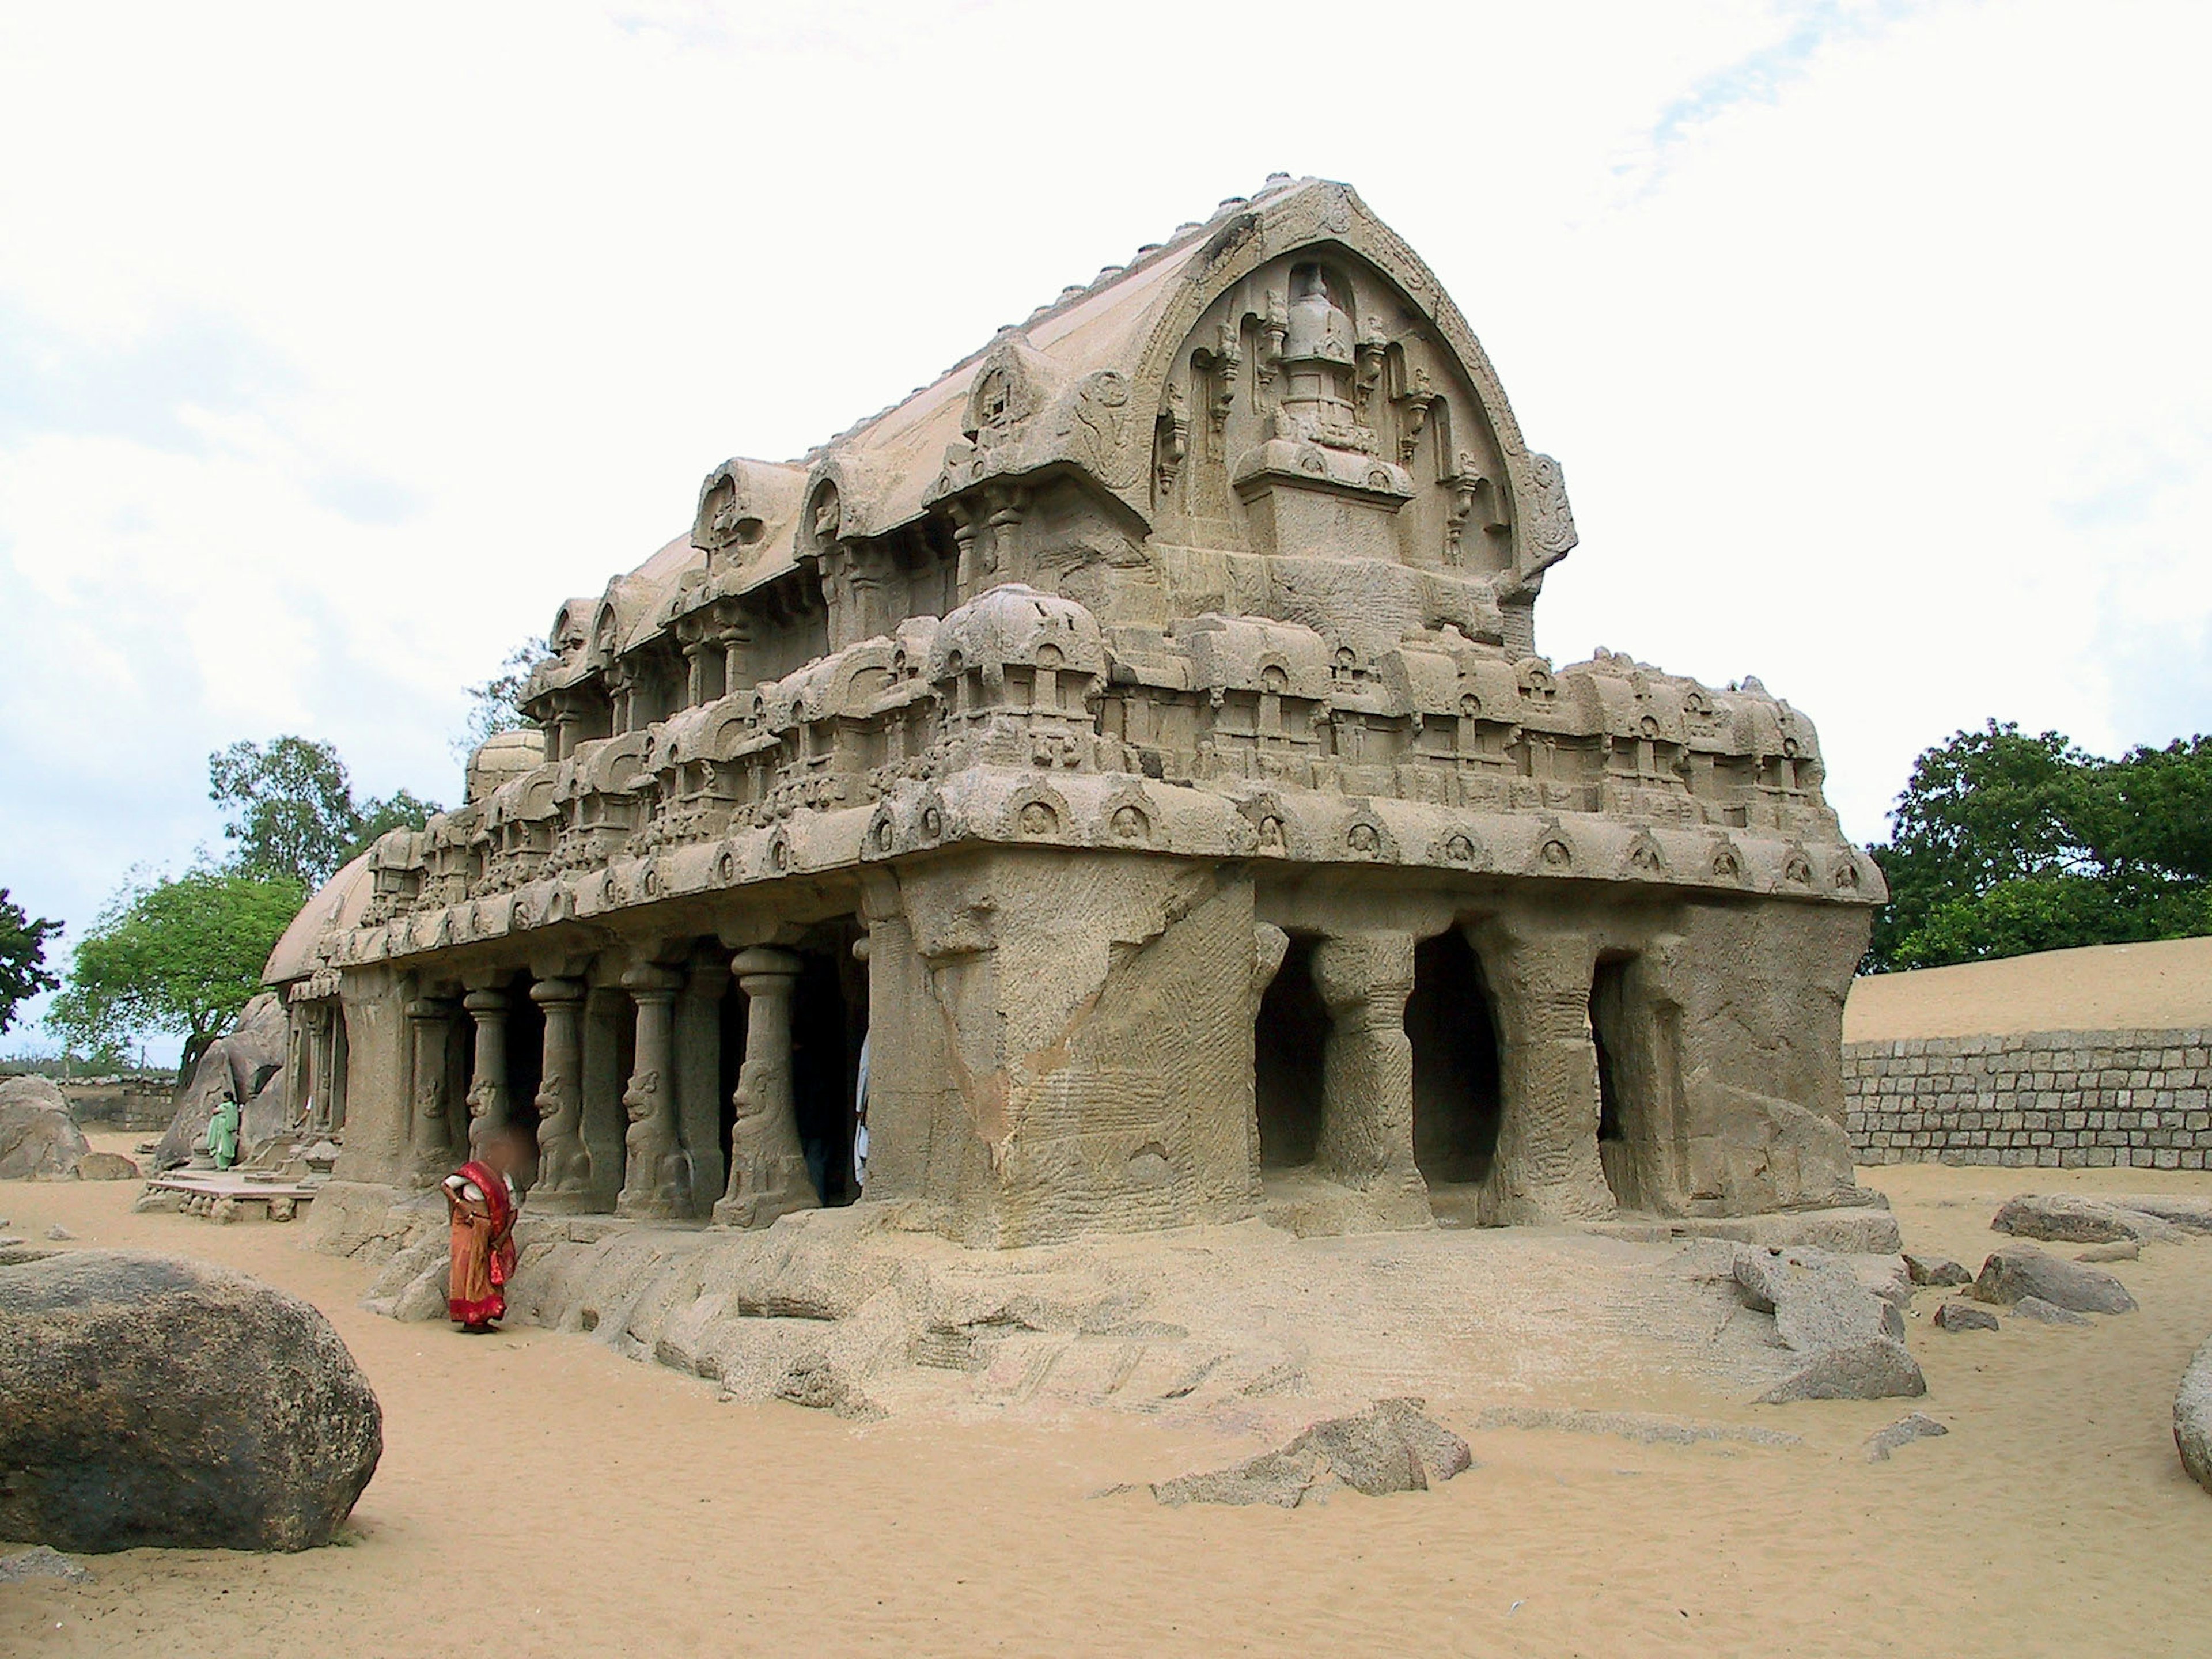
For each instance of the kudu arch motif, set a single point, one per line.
(1009, 727)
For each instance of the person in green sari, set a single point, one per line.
(223, 1132)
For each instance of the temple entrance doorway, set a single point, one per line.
(1288, 1036)
(829, 1023)
(526, 1068)
(1457, 1094)
(1625, 1125)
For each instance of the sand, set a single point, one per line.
(596, 1506)
(2156, 987)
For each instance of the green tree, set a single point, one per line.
(180, 956)
(292, 811)
(2004, 843)
(22, 957)
(496, 705)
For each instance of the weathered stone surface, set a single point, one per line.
(1817, 1300)
(2125, 1250)
(1879, 1367)
(1643, 1427)
(814, 1382)
(39, 1139)
(2192, 1417)
(2046, 1313)
(60, 1234)
(246, 1063)
(1390, 1447)
(2191, 1214)
(1936, 1270)
(2075, 1218)
(1964, 1316)
(26, 1566)
(1916, 1425)
(106, 1166)
(148, 1400)
(2022, 1270)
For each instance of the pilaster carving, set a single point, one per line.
(564, 1184)
(768, 1166)
(656, 1176)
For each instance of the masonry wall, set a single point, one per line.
(2063, 1099)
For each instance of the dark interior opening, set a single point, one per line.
(829, 1022)
(1287, 1040)
(1618, 1117)
(526, 1069)
(1457, 1097)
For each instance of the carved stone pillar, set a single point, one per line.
(1367, 1071)
(656, 1176)
(768, 1166)
(695, 673)
(488, 1097)
(564, 1164)
(698, 1077)
(1547, 1167)
(870, 610)
(430, 1151)
(734, 641)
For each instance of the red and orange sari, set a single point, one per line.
(483, 1244)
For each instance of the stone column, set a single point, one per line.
(431, 1137)
(1547, 1167)
(694, 674)
(656, 1176)
(734, 641)
(768, 1167)
(488, 1096)
(699, 1078)
(564, 1164)
(1367, 1072)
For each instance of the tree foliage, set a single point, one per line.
(496, 705)
(2004, 843)
(22, 957)
(292, 811)
(181, 954)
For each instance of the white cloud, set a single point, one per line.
(337, 347)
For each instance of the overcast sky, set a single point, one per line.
(337, 345)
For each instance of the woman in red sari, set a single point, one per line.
(480, 1204)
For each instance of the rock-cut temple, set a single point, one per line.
(1130, 754)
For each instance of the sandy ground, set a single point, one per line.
(2157, 986)
(599, 1507)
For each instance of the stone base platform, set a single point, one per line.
(859, 1312)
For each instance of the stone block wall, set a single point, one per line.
(2057, 1099)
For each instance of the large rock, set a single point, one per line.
(247, 1064)
(1817, 1300)
(1936, 1270)
(1390, 1447)
(148, 1400)
(2073, 1219)
(2080, 1218)
(1877, 1368)
(1964, 1316)
(2022, 1270)
(2192, 1417)
(39, 1139)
